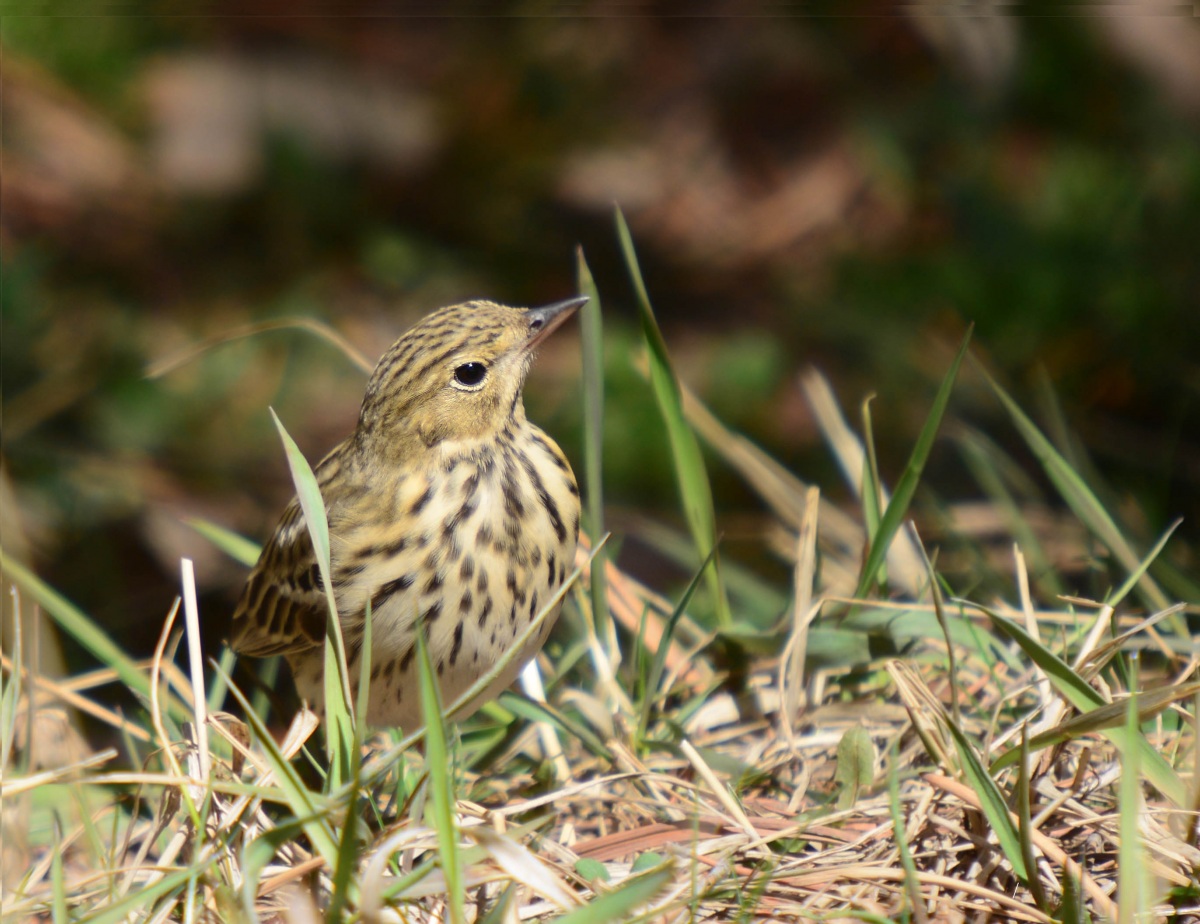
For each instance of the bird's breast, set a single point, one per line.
(474, 544)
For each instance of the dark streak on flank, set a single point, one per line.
(343, 574)
(420, 502)
(391, 587)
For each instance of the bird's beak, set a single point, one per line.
(544, 321)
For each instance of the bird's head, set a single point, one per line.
(456, 375)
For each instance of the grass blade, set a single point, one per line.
(1079, 497)
(592, 338)
(59, 909)
(906, 487)
(1137, 573)
(138, 900)
(339, 722)
(618, 904)
(348, 846)
(685, 450)
(872, 483)
(991, 800)
(1133, 887)
(441, 782)
(242, 550)
(533, 711)
(654, 677)
(259, 852)
(1079, 694)
(912, 880)
(1110, 715)
(1025, 825)
(11, 684)
(989, 466)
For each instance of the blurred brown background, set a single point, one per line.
(840, 184)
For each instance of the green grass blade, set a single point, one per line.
(267, 673)
(654, 677)
(11, 683)
(592, 340)
(1110, 715)
(1133, 891)
(239, 548)
(685, 449)
(989, 466)
(995, 808)
(339, 722)
(1135, 576)
(441, 782)
(217, 690)
(259, 852)
(755, 597)
(906, 487)
(533, 711)
(1072, 910)
(141, 899)
(348, 846)
(620, 902)
(1025, 826)
(872, 484)
(1079, 497)
(363, 693)
(912, 882)
(1079, 694)
(939, 610)
(58, 882)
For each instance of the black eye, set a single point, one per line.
(470, 374)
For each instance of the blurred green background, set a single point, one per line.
(844, 185)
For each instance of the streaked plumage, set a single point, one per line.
(446, 502)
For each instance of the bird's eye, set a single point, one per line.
(470, 375)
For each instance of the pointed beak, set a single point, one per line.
(544, 321)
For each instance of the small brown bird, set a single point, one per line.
(446, 505)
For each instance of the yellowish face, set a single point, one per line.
(456, 375)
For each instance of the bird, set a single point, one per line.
(447, 509)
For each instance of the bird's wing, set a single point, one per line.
(283, 609)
